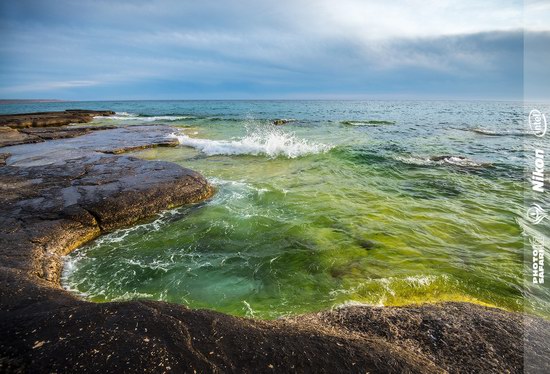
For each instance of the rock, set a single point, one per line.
(113, 140)
(443, 158)
(163, 143)
(9, 136)
(51, 133)
(51, 209)
(3, 158)
(43, 119)
(279, 122)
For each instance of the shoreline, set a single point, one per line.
(50, 210)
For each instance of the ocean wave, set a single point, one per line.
(366, 122)
(270, 142)
(482, 131)
(125, 116)
(391, 286)
(460, 161)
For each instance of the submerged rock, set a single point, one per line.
(279, 122)
(366, 244)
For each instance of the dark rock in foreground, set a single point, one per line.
(43, 119)
(56, 195)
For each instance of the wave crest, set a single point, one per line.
(441, 160)
(271, 142)
(125, 116)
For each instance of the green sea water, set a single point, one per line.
(380, 203)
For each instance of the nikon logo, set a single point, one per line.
(537, 178)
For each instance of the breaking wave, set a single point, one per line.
(125, 116)
(270, 141)
(367, 122)
(440, 160)
(489, 132)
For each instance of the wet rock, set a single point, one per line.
(279, 122)
(43, 119)
(11, 136)
(3, 158)
(163, 143)
(115, 140)
(51, 133)
(446, 157)
(51, 209)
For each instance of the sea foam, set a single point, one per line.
(125, 116)
(452, 160)
(270, 142)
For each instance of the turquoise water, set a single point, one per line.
(376, 202)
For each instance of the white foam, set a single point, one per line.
(453, 160)
(422, 281)
(125, 116)
(248, 309)
(272, 142)
(461, 161)
(497, 133)
(415, 160)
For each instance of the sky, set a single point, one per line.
(295, 49)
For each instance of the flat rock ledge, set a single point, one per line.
(50, 207)
(38, 127)
(44, 119)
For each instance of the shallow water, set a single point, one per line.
(378, 202)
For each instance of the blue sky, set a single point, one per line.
(168, 49)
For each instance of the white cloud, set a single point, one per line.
(70, 44)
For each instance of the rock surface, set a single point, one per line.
(116, 140)
(9, 136)
(43, 119)
(38, 127)
(56, 195)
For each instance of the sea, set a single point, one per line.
(338, 203)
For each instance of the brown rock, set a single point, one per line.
(3, 158)
(43, 119)
(9, 136)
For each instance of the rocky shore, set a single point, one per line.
(58, 194)
(46, 119)
(38, 127)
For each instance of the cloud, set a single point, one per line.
(95, 49)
